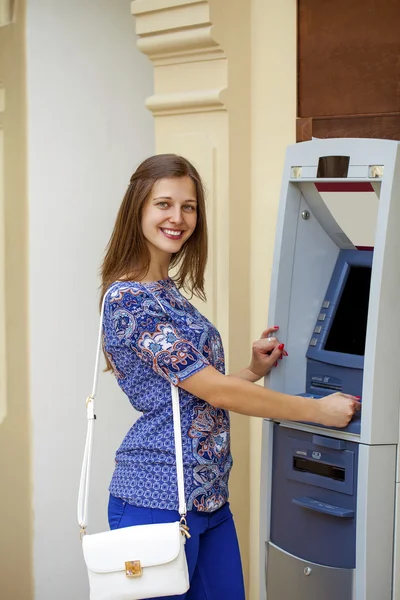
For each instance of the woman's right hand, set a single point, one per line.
(338, 409)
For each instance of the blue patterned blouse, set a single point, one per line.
(154, 336)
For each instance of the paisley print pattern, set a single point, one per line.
(153, 336)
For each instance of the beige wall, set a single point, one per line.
(273, 112)
(15, 511)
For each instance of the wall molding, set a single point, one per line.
(186, 102)
(146, 6)
(175, 30)
(195, 42)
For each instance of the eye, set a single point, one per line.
(189, 208)
(162, 204)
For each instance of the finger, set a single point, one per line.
(356, 404)
(267, 332)
(351, 397)
(276, 354)
(267, 345)
(279, 350)
(278, 345)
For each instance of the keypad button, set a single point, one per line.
(322, 317)
(318, 329)
(326, 304)
(313, 342)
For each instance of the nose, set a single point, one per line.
(176, 215)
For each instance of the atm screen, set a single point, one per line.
(349, 327)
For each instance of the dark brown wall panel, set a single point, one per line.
(358, 126)
(348, 57)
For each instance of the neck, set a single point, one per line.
(155, 275)
(159, 266)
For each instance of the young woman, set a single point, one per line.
(154, 336)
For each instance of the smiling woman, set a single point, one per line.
(165, 198)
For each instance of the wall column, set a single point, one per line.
(201, 106)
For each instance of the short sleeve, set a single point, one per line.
(135, 319)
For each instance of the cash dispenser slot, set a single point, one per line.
(330, 387)
(319, 468)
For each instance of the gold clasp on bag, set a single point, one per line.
(133, 568)
(184, 528)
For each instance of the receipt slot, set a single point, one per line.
(328, 519)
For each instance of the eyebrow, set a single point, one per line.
(169, 198)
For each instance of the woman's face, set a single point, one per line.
(170, 214)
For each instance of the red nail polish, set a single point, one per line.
(276, 326)
(281, 346)
(358, 397)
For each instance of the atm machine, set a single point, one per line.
(329, 521)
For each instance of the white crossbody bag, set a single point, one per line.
(141, 561)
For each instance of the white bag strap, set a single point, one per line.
(83, 495)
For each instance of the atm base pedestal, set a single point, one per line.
(291, 578)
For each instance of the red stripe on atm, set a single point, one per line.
(365, 248)
(344, 186)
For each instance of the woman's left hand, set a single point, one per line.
(266, 352)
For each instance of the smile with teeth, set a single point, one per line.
(172, 233)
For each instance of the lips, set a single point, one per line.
(172, 234)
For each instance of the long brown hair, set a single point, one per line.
(127, 256)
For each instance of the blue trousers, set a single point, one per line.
(212, 552)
